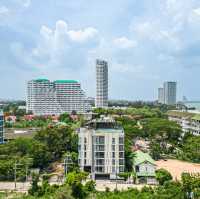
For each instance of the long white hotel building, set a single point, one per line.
(53, 98)
(101, 100)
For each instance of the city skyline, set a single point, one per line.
(142, 46)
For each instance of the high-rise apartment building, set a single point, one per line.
(53, 98)
(160, 95)
(1, 127)
(170, 93)
(101, 148)
(167, 94)
(101, 100)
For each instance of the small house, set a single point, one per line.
(144, 167)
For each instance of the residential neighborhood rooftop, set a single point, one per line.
(142, 157)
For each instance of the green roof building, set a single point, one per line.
(144, 167)
(45, 97)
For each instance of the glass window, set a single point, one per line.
(121, 154)
(121, 161)
(113, 140)
(113, 147)
(113, 161)
(121, 140)
(121, 147)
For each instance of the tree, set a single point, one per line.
(58, 140)
(169, 131)
(90, 186)
(163, 176)
(191, 149)
(191, 185)
(74, 180)
(65, 117)
(35, 188)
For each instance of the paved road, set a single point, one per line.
(100, 186)
(10, 186)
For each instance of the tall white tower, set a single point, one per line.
(1, 127)
(170, 93)
(101, 100)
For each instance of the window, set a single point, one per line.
(113, 140)
(121, 154)
(113, 147)
(99, 169)
(100, 140)
(121, 161)
(99, 154)
(121, 169)
(113, 154)
(121, 147)
(113, 161)
(100, 162)
(121, 140)
(99, 147)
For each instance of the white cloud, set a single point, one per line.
(61, 30)
(82, 35)
(4, 10)
(124, 43)
(24, 3)
(196, 11)
(61, 46)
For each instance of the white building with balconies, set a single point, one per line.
(101, 148)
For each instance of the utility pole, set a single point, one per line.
(15, 173)
(67, 162)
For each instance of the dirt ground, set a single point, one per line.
(177, 167)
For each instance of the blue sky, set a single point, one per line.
(145, 42)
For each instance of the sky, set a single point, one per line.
(145, 42)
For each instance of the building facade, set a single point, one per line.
(101, 148)
(53, 98)
(189, 122)
(1, 127)
(161, 95)
(101, 100)
(170, 93)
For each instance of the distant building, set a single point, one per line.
(161, 95)
(1, 127)
(101, 100)
(144, 167)
(101, 148)
(167, 94)
(170, 93)
(53, 98)
(189, 121)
